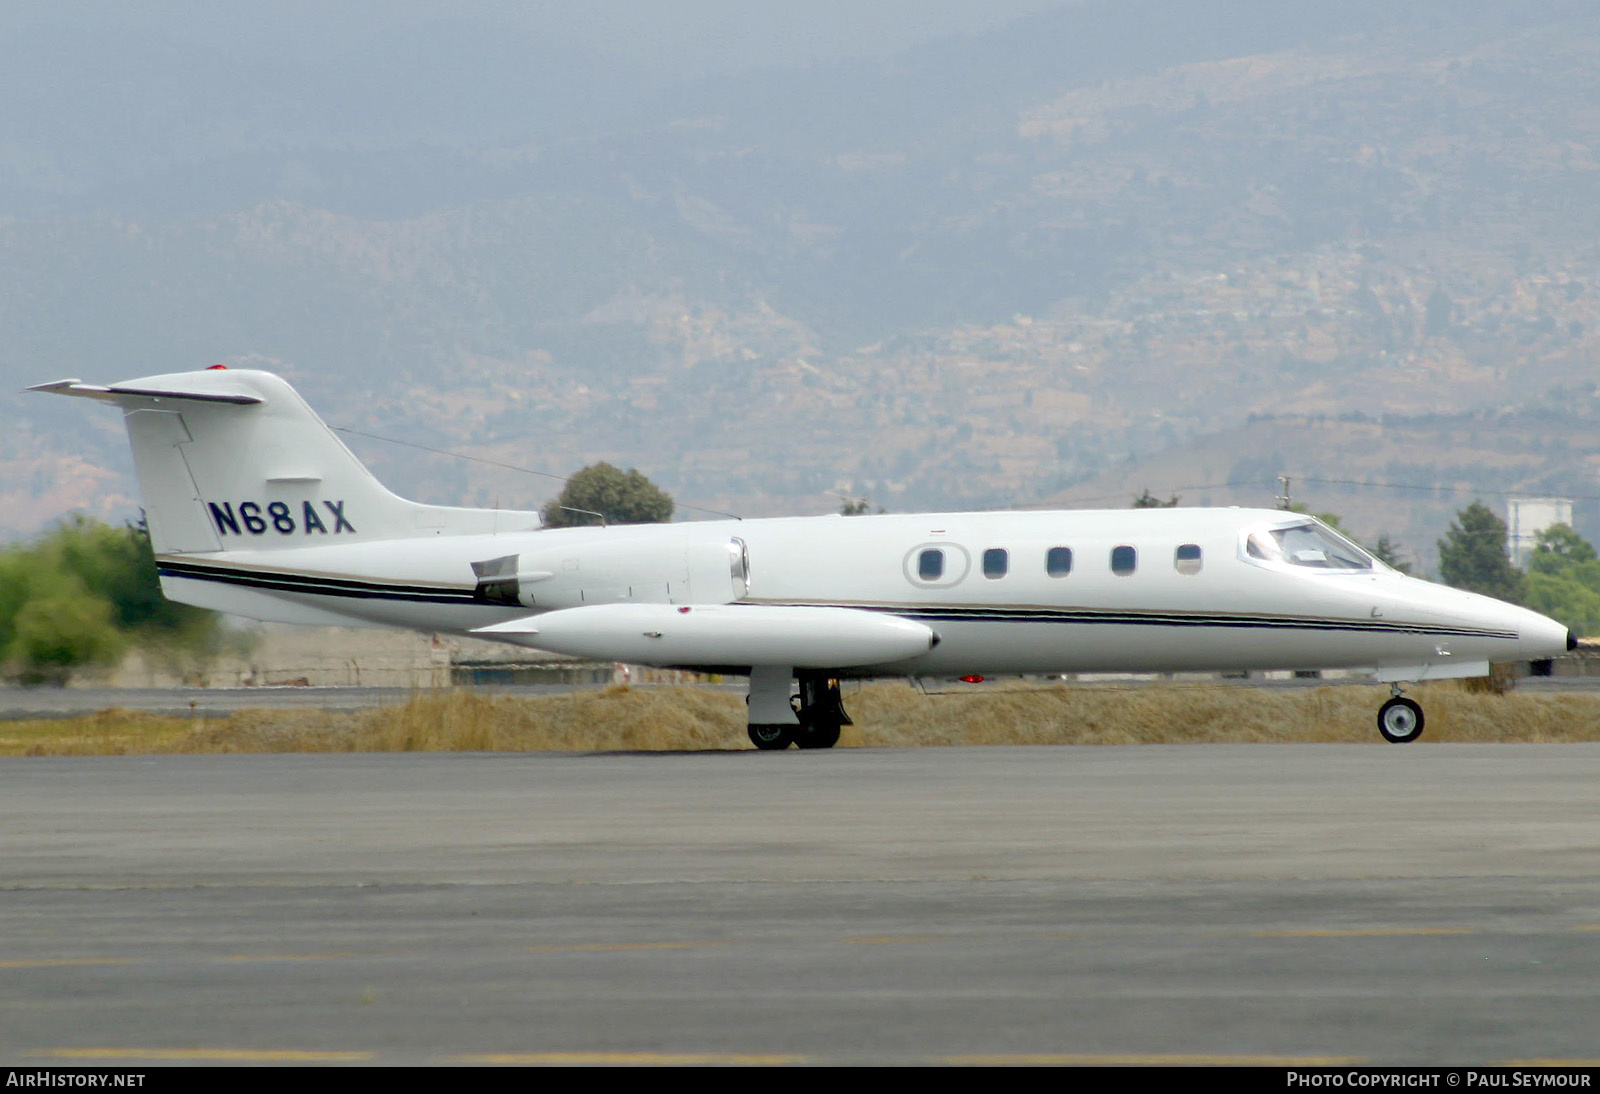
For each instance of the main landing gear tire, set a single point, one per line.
(1400, 721)
(772, 738)
(819, 714)
(825, 735)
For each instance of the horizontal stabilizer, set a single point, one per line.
(122, 393)
(722, 634)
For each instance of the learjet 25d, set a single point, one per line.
(255, 507)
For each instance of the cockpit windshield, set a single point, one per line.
(1312, 544)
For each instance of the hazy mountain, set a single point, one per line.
(970, 272)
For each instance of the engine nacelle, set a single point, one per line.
(628, 571)
(723, 635)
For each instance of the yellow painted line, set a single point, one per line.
(64, 962)
(1587, 927)
(1369, 932)
(891, 939)
(1086, 1059)
(291, 956)
(643, 1059)
(621, 947)
(257, 1055)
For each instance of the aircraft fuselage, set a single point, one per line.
(1028, 592)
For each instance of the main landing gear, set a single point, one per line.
(1400, 719)
(811, 719)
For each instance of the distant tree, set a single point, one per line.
(80, 594)
(118, 565)
(1564, 579)
(857, 507)
(55, 634)
(619, 497)
(1387, 551)
(1148, 500)
(1558, 549)
(1571, 598)
(1472, 556)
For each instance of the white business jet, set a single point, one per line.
(255, 507)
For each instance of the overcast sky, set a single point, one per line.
(692, 37)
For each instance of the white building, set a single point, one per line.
(1527, 517)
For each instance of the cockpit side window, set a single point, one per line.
(1310, 545)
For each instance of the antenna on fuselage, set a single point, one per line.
(585, 512)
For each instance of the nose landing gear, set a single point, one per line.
(1400, 719)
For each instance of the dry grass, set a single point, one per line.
(112, 732)
(1196, 714)
(892, 715)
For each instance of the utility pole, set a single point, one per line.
(1284, 500)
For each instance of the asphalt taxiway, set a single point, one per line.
(1232, 903)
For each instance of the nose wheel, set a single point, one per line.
(1400, 721)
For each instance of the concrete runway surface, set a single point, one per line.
(1425, 904)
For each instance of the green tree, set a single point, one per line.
(1148, 500)
(118, 565)
(618, 497)
(49, 622)
(1557, 549)
(80, 594)
(1564, 579)
(1472, 556)
(1572, 598)
(53, 635)
(856, 507)
(1387, 551)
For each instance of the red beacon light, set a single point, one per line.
(972, 678)
(210, 368)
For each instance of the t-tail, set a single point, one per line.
(235, 460)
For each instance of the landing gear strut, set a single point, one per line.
(811, 719)
(820, 710)
(1400, 720)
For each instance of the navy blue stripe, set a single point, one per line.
(295, 583)
(954, 614)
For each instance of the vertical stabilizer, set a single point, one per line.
(233, 460)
